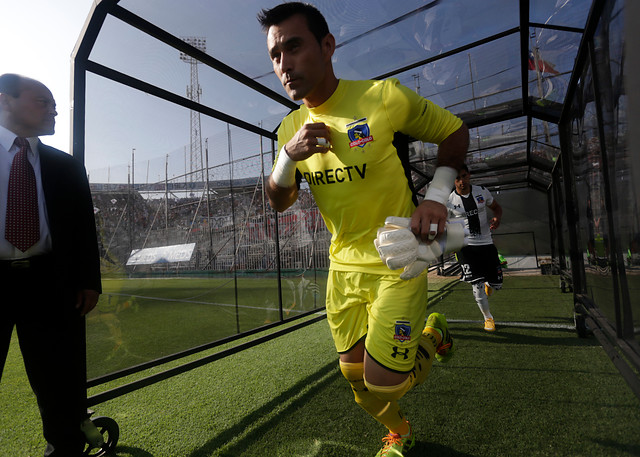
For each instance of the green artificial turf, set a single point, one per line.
(140, 319)
(532, 388)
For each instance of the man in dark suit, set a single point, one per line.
(49, 261)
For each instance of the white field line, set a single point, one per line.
(518, 324)
(225, 305)
(231, 305)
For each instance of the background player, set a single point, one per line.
(342, 142)
(479, 260)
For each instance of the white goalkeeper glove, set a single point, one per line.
(400, 248)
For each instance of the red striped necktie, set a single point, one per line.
(22, 222)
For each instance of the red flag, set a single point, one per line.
(543, 66)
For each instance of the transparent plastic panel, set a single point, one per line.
(543, 156)
(398, 33)
(304, 247)
(503, 156)
(560, 201)
(544, 132)
(540, 177)
(505, 178)
(234, 35)
(498, 134)
(442, 27)
(473, 80)
(231, 29)
(500, 145)
(121, 122)
(554, 228)
(545, 144)
(524, 229)
(187, 239)
(567, 13)
(141, 151)
(134, 53)
(609, 69)
(594, 230)
(552, 54)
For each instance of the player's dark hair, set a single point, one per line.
(10, 83)
(463, 167)
(315, 20)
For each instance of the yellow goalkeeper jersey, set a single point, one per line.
(363, 178)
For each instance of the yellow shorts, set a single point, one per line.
(389, 311)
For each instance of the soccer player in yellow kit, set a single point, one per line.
(342, 142)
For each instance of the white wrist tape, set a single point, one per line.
(284, 173)
(443, 181)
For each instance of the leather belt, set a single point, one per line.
(28, 263)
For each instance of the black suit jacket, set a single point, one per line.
(71, 220)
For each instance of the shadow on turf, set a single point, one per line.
(423, 448)
(124, 451)
(632, 449)
(513, 335)
(320, 379)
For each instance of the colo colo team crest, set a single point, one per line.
(402, 331)
(359, 133)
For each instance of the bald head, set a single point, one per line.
(27, 107)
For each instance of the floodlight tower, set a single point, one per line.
(193, 93)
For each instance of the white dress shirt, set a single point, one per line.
(8, 150)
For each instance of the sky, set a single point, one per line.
(44, 51)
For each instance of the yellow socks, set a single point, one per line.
(384, 411)
(381, 402)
